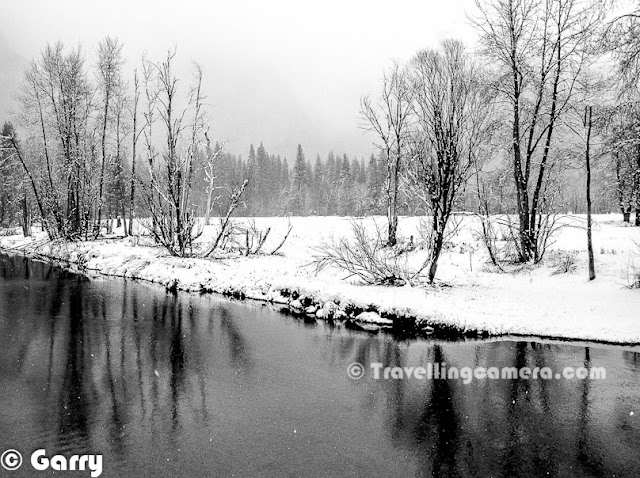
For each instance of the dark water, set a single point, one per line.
(192, 386)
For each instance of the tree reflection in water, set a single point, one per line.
(506, 428)
(154, 379)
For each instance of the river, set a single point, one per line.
(194, 385)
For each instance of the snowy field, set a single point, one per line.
(469, 293)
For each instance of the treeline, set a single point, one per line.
(339, 186)
(330, 185)
(334, 185)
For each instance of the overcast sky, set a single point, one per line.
(282, 72)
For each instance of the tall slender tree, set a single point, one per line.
(389, 119)
(109, 85)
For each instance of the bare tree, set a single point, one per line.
(13, 184)
(135, 136)
(594, 123)
(13, 193)
(121, 129)
(588, 124)
(56, 107)
(539, 49)
(622, 38)
(623, 142)
(109, 81)
(452, 109)
(151, 197)
(171, 173)
(389, 119)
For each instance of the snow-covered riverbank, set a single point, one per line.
(469, 294)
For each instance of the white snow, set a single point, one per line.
(373, 318)
(468, 293)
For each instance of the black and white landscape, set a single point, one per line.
(402, 184)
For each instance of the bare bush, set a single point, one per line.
(500, 236)
(281, 243)
(250, 239)
(367, 257)
(633, 277)
(225, 223)
(489, 237)
(254, 238)
(633, 271)
(564, 263)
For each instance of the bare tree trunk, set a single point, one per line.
(109, 64)
(208, 214)
(34, 188)
(124, 216)
(435, 255)
(522, 197)
(636, 185)
(103, 163)
(26, 217)
(132, 196)
(545, 154)
(392, 192)
(588, 121)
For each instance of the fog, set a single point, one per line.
(279, 72)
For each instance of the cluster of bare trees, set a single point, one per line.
(532, 103)
(60, 151)
(433, 121)
(72, 150)
(539, 50)
(82, 130)
(181, 129)
(620, 131)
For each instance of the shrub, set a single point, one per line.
(564, 264)
(367, 257)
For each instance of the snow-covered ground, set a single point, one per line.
(469, 294)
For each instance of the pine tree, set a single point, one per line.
(374, 185)
(318, 187)
(299, 182)
(250, 193)
(355, 170)
(261, 181)
(343, 199)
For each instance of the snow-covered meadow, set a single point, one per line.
(469, 293)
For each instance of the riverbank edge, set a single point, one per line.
(296, 302)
